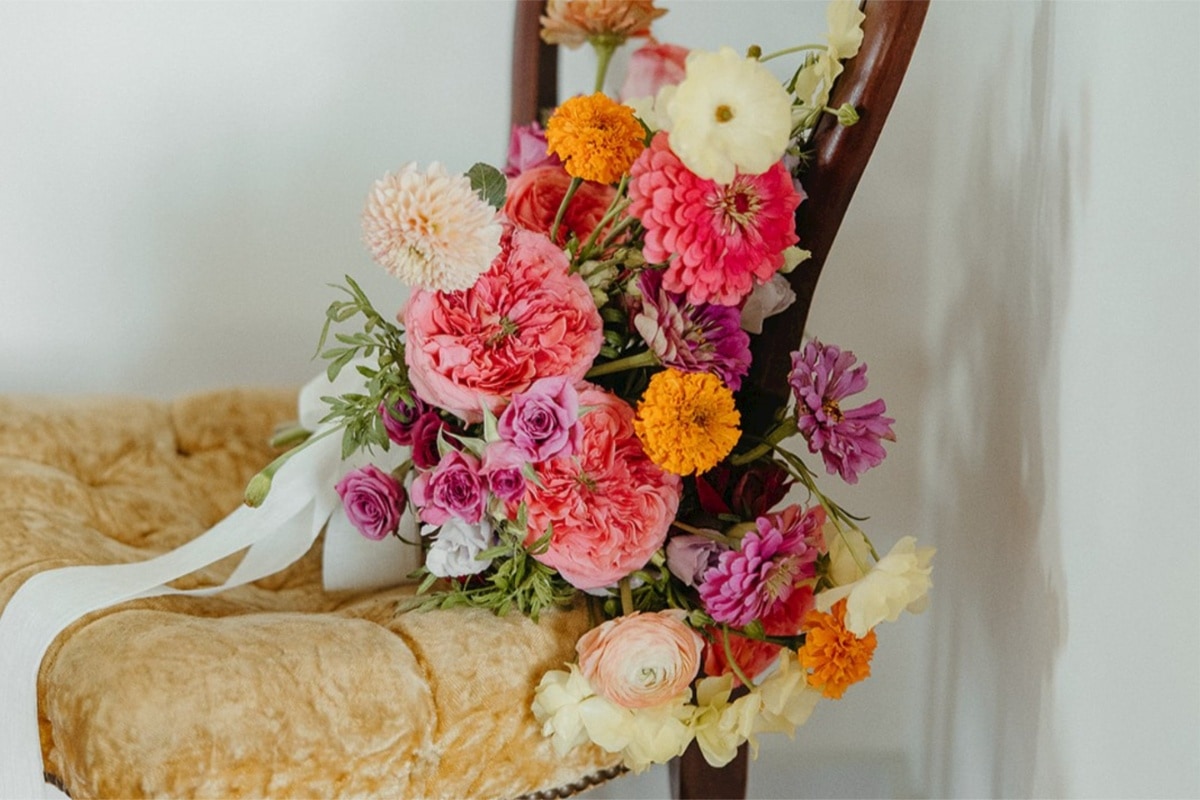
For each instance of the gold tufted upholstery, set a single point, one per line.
(272, 689)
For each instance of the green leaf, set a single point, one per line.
(489, 182)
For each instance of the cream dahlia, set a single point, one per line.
(430, 229)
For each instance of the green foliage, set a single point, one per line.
(489, 182)
(385, 383)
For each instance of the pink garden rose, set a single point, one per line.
(610, 505)
(651, 67)
(503, 468)
(400, 418)
(641, 660)
(454, 488)
(373, 500)
(424, 433)
(534, 197)
(527, 149)
(525, 318)
(543, 421)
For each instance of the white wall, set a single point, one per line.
(1021, 268)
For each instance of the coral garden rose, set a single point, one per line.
(536, 194)
(373, 500)
(525, 318)
(641, 660)
(454, 488)
(609, 505)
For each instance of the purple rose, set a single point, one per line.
(503, 466)
(425, 439)
(400, 419)
(454, 488)
(374, 501)
(543, 421)
(689, 557)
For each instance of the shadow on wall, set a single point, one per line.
(991, 491)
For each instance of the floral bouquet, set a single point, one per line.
(564, 380)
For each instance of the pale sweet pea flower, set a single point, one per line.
(845, 28)
(729, 115)
(767, 300)
(556, 705)
(787, 700)
(899, 581)
(850, 556)
(721, 726)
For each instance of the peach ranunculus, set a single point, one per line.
(525, 318)
(641, 660)
(651, 67)
(573, 22)
(609, 505)
(535, 195)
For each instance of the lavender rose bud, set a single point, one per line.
(502, 467)
(689, 557)
(374, 501)
(543, 421)
(454, 488)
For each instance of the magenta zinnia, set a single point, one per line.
(718, 240)
(849, 440)
(772, 561)
(691, 337)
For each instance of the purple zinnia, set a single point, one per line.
(848, 440)
(703, 337)
(772, 560)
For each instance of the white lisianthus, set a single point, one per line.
(787, 700)
(455, 551)
(899, 581)
(721, 726)
(729, 115)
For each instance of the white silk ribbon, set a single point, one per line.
(301, 502)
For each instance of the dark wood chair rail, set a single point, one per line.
(870, 83)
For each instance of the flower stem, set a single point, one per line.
(780, 432)
(604, 53)
(635, 361)
(260, 485)
(617, 205)
(562, 207)
(789, 50)
(626, 595)
(707, 533)
(733, 664)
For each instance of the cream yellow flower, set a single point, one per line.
(787, 701)
(729, 115)
(556, 705)
(899, 581)
(721, 727)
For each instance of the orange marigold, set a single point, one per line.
(597, 138)
(687, 421)
(573, 22)
(836, 656)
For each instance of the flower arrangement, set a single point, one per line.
(565, 374)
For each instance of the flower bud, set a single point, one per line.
(257, 489)
(847, 115)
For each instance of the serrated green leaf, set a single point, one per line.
(489, 182)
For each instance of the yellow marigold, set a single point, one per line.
(596, 137)
(687, 421)
(573, 22)
(836, 656)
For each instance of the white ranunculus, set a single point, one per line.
(729, 115)
(899, 581)
(454, 552)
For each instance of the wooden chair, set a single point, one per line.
(870, 83)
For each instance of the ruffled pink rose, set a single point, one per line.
(543, 421)
(534, 197)
(651, 67)
(641, 660)
(610, 505)
(373, 500)
(503, 467)
(525, 318)
(527, 149)
(454, 488)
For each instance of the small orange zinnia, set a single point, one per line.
(835, 656)
(597, 138)
(687, 421)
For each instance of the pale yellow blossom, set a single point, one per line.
(899, 581)
(722, 727)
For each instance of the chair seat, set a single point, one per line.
(276, 688)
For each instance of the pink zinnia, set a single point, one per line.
(848, 440)
(723, 238)
(608, 506)
(525, 318)
(746, 584)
